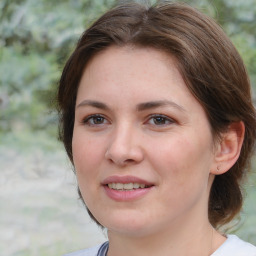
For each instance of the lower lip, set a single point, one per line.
(126, 195)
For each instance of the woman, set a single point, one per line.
(157, 119)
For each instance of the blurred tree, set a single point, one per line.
(239, 20)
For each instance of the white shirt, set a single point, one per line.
(233, 246)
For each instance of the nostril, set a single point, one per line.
(129, 160)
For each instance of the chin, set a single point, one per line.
(124, 222)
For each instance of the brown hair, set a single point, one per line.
(209, 63)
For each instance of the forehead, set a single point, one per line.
(128, 65)
(130, 50)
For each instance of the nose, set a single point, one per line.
(125, 146)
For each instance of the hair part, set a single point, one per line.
(209, 64)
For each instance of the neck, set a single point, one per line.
(199, 241)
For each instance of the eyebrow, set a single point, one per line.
(140, 107)
(93, 103)
(157, 104)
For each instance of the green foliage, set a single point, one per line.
(238, 19)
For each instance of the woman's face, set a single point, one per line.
(142, 144)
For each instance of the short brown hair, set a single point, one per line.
(209, 63)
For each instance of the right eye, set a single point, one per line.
(95, 120)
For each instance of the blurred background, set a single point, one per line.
(40, 213)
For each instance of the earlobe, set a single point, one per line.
(228, 149)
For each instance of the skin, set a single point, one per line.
(169, 145)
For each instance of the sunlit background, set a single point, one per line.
(40, 213)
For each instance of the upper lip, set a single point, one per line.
(125, 179)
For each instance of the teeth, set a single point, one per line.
(119, 186)
(126, 186)
(136, 185)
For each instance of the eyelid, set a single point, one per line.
(171, 120)
(85, 120)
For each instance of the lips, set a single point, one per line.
(126, 188)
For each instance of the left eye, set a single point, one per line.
(95, 120)
(160, 120)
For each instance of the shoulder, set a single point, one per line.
(234, 246)
(99, 250)
(86, 252)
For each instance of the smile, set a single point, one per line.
(126, 186)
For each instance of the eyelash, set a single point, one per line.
(86, 121)
(161, 118)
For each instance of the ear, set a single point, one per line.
(228, 150)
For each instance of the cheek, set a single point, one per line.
(183, 170)
(86, 153)
(182, 161)
(86, 157)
